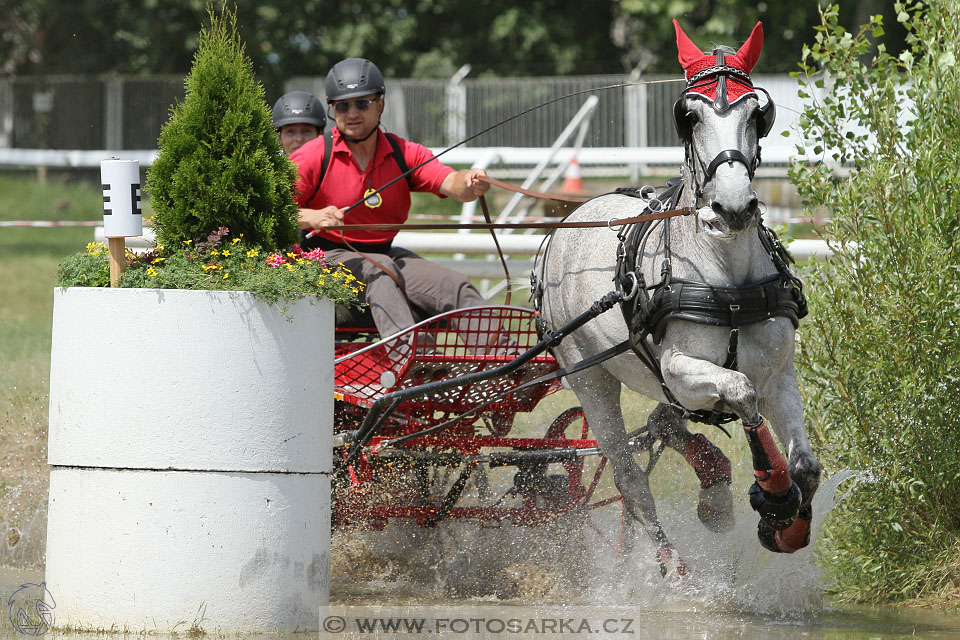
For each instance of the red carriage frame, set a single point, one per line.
(451, 427)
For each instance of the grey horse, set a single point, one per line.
(720, 249)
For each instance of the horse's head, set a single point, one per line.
(720, 120)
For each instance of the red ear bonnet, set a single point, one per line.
(729, 88)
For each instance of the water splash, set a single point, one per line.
(559, 564)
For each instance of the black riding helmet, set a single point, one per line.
(298, 107)
(352, 78)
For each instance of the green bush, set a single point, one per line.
(220, 164)
(880, 354)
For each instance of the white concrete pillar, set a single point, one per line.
(190, 452)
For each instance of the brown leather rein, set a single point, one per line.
(491, 226)
(613, 224)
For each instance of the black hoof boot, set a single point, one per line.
(793, 538)
(778, 512)
(768, 537)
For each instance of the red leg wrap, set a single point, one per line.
(797, 535)
(707, 460)
(769, 465)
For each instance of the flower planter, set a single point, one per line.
(190, 452)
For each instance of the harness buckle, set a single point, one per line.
(634, 287)
(734, 323)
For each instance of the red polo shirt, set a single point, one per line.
(344, 183)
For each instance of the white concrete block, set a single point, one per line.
(157, 551)
(193, 380)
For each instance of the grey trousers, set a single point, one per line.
(432, 289)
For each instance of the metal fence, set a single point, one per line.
(127, 112)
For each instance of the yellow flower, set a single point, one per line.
(226, 252)
(187, 241)
(153, 273)
(291, 254)
(235, 241)
(214, 252)
(253, 253)
(289, 266)
(157, 260)
(226, 276)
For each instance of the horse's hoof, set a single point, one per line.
(778, 512)
(793, 538)
(715, 509)
(768, 537)
(672, 567)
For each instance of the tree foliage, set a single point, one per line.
(880, 357)
(219, 162)
(423, 38)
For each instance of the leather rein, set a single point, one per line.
(613, 225)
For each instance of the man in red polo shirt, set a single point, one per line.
(362, 159)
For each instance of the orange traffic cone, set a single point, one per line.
(572, 180)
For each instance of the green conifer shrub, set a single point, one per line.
(219, 163)
(880, 354)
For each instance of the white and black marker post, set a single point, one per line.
(122, 216)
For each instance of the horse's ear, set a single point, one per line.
(688, 53)
(749, 53)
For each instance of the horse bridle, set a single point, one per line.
(765, 117)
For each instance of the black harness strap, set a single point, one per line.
(647, 313)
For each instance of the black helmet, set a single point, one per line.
(352, 78)
(298, 107)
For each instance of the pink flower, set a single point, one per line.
(316, 255)
(275, 260)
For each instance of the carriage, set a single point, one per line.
(446, 446)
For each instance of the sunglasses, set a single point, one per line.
(362, 104)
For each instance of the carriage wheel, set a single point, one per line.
(590, 488)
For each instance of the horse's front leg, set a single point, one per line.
(783, 405)
(715, 508)
(700, 384)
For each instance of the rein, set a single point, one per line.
(612, 224)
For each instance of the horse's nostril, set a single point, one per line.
(717, 208)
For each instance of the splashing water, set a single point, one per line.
(407, 564)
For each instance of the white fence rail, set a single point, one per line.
(604, 161)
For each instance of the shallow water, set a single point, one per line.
(464, 581)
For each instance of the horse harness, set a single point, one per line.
(647, 308)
